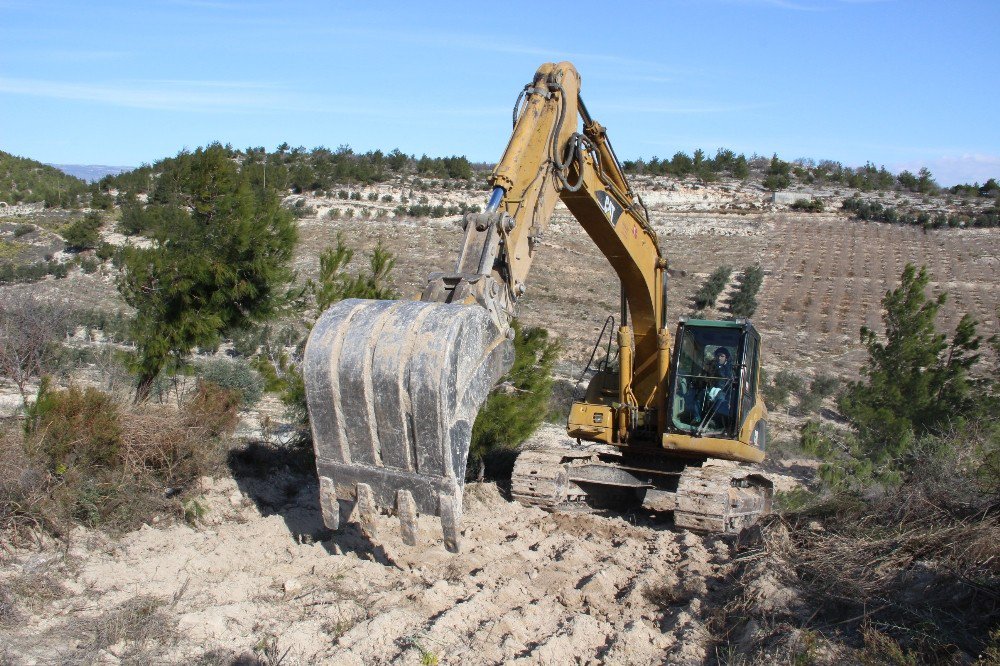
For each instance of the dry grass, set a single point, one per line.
(142, 467)
(881, 649)
(10, 612)
(136, 630)
(222, 657)
(139, 620)
(902, 577)
(35, 589)
(25, 593)
(23, 501)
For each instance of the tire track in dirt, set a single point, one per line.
(544, 588)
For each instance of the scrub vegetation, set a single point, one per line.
(24, 180)
(518, 405)
(891, 554)
(713, 286)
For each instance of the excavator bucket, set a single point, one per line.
(393, 389)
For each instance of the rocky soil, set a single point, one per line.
(254, 575)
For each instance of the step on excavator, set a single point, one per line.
(394, 386)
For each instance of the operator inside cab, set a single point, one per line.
(719, 389)
(710, 398)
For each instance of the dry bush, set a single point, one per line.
(906, 576)
(29, 332)
(26, 592)
(74, 427)
(899, 574)
(25, 509)
(141, 624)
(175, 448)
(213, 409)
(939, 578)
(88, 459)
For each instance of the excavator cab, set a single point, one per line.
(714, 384)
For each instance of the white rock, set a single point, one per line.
(291, 587)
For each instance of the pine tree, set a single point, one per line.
(741, 169)
(517, 406)
(335, 284)
(777, 177)
(84, 234)
(916, 381)
(218, 263)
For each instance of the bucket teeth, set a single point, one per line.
(393, 389)
(451, 522)
(406, 509)
(328, 503)
(367, 510)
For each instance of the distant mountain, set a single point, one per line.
(91, 172)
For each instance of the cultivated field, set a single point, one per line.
(825, 274)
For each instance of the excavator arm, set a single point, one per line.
(394, 387)
(548, 159)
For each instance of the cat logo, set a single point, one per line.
(612, 210)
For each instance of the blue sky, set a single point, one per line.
(903, 83)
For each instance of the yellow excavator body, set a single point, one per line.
(393, 387)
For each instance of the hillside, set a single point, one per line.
(825, 268)
(24, 180)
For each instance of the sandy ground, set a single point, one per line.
(258, 576)
(528, 587)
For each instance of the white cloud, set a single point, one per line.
(209, 96)
(162, 95)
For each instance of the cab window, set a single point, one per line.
(705, 384)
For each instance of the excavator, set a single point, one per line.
(394, 386)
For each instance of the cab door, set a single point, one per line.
(749, 373)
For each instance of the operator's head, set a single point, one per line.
(722, 356)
